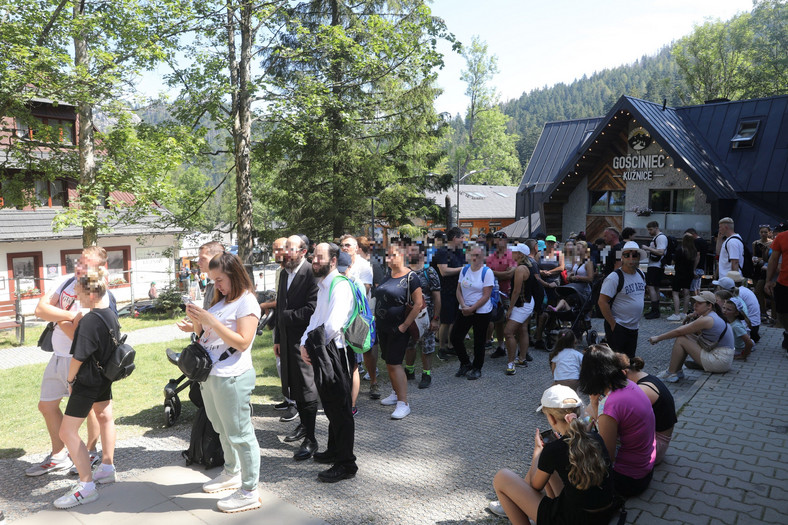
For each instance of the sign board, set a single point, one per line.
(152, 265)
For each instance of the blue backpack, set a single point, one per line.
(495, 295)
(360, 333)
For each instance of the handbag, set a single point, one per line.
(422, 322)
(195, 362)
(708, 346)
(45, 340)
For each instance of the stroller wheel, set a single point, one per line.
(591, 337)
(169, 416)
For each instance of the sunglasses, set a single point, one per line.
(630, 255)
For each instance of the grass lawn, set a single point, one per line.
(127, 324)
(138, 400)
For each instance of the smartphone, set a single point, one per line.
(547, 436)
(186, 299)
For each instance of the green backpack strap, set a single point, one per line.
(355, 303)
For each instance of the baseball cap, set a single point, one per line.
(705, 297)
(343, 262)
(550, 238)
(726, 283)
(522, 248)
(559, 396)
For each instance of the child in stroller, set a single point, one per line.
(573, 311)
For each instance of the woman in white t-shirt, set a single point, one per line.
(473, 293)
(227, 331)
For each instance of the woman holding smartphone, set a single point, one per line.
(227, 331)
(572, 466)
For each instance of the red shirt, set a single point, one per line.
(780, 244)
(501, 263)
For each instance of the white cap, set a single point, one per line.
(559, 396)
(630, 245)
(522, 248)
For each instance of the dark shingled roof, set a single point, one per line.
(33, 225)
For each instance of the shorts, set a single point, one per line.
(83, 397)
(560, 512)
(427, 342)
(654, 275)
(54, 385)
(718, 360)
(449, 308)
(520, 314)
(681, 282)
(629, 487)
(393, 344)
(781, 298)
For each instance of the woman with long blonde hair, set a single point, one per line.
(570, 464)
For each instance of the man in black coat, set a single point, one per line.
(295, 304)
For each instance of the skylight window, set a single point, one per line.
(745, 136)
(505, 196)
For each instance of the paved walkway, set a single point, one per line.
(728, 462)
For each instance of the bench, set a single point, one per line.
(10, 318)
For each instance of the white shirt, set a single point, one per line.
(291, 274)
(660, 242)
(361, 272)
(333, 314)
(732, 248)
(750, 300)
(472, 285)
(229, 313)
(67, 300)
(567, 364)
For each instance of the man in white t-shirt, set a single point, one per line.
(60, 306)
(730, 248)
(656, 271)
(361, 271)
(621, 303)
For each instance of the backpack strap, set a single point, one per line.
(356, 309)
(464, 270)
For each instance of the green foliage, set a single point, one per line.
(169, 299)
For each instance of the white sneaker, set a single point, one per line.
(223, 481)
(95, 461)
(497, 509)
(402, 410)
(77, 495)
(675, 317)
(671, 378)
(104, 474)
(240, 500)
(50, 464)
(391, 400)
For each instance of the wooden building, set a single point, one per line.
(683, 167)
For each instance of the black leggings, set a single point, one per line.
(462, 326)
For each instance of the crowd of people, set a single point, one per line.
(426, 299)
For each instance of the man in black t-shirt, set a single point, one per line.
(612, 258)
(450, 261)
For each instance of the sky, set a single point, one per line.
(543, 43)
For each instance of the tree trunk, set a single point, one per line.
(242, 130)
(87, 160)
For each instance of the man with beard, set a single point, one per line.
(333, 362)
(295, 303)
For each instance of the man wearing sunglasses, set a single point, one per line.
(621, 301)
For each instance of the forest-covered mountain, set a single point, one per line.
(654, 78)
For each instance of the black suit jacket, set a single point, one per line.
(294, 308)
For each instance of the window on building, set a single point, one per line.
(51, 193)
(46, 129)
(119, 264)
(672, 201)
(745, 134)
(26, 274)
(607, 202)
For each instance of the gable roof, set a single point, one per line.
(481, 201)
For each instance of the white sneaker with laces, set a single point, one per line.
(240, 500)
(675, 317)
(402, 410)
(50, 464)
(390, 400)
(497, 509)
(223, 481)
(77, 495)
(104, 474)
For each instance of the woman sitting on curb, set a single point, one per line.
(708, 339)
(572, 466)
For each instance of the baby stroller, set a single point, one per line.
(172, 403)
(577, 318)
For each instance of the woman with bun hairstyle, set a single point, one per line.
(623, 415)
(572, 467)
(661, 402)
(226, 330)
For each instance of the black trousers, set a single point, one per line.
(462, 325)
(333, 378)
(622, 340)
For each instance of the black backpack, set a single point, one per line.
(120, 363)
(747, 269)
(670, 251)
(620, 285)
(204, 445)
